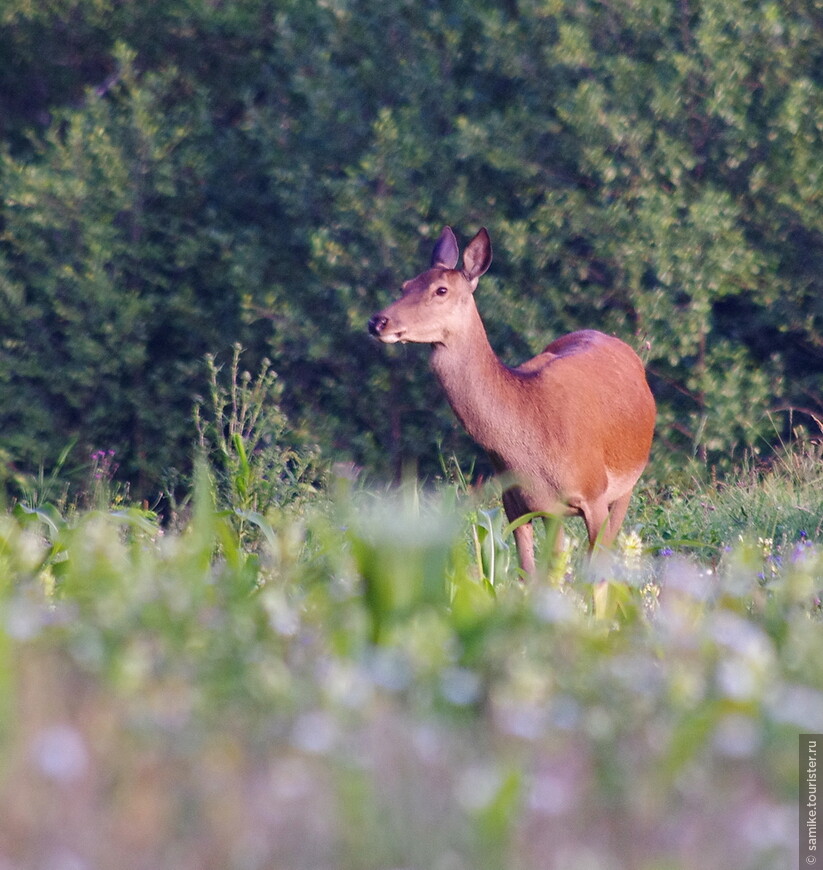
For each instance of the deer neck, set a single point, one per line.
(476, 383)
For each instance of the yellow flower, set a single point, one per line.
(631, 547)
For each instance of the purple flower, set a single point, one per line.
(103, 464)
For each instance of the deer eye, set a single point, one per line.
(441, 291)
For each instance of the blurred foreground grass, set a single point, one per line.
(361, 682)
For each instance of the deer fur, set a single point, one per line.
(570, 430)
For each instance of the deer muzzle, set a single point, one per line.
(381, 328)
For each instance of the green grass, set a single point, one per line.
(358, 680)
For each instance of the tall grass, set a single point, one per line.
(299, 677)
(780, 501)
(359, 688)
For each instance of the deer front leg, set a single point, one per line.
(523, 534)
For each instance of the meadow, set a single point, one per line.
(355, 677)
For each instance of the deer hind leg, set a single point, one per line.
(596, 518)
(617, 513)
(559, 535)
(603, 521)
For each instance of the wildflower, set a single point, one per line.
(631, 546)
(771, 559)
(803, 548)
(560, 568)
(651, 596)
(103, 464)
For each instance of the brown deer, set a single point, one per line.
(570, 429)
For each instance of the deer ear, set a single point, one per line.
(477, 257)
(446, 252)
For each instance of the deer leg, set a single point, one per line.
(617, 514)
(524, 540)
(603, 524)
(596, 516)
(523, 534)
(559, 536)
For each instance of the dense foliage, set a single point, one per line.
(176, 177)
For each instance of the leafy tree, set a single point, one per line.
(268, 172)
(593, 142)
(112, 284)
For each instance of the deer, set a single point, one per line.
(569, 431)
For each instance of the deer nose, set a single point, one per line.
(377, 324)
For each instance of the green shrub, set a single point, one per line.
(246, 439)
